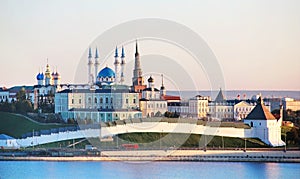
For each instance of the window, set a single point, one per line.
(90, 101)
(79, 101)
(95, 100)
(133, 101)
(101, 100)
(111, 100)
(106, 100)
(251, 124)
(72, 101)
(126, 101)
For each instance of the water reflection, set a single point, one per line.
(27, 169)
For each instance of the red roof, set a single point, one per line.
(167, 97)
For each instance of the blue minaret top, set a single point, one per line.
(116, 52)
(90, 53)
(96, 53)
(123, 53)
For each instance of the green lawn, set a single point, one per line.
(14, 125)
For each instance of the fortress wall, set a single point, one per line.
(155, 127)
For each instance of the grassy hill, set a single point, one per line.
(15, 125)
(187, 140)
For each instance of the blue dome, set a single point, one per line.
(106, 72)
(40, 76)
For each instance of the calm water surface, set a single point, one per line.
(40, 169)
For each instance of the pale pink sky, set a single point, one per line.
(256, 42)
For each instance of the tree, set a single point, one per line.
(21, 95)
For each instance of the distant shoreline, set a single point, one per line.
(178, 155)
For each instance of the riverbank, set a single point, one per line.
(175, 155)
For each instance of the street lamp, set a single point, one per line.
(285, 142)
(245, 145)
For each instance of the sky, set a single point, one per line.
(255, 42)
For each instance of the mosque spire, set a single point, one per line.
(96, 65)
(90, 64)
(90, 53)
(116, 52)
(96, 53)
(117, 67)
(123, 53)
(122, 65)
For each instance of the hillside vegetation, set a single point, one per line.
(15, 125)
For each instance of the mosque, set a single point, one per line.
(106, 98)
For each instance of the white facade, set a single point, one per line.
(152, 103)
(75, 104)
(220, 110)
(4, 96)
(198, 106)
(242, 109)
(7, 142)
(265, 126)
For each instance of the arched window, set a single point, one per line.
(95, 100)
(251, 124)
(101, 100)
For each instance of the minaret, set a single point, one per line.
(96, 65)
(162, 88)
(122, 65)
(47, 74)
(90, 64)
(137, 72)
(117, 67)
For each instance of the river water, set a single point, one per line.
(44, 169)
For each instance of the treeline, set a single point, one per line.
(22, 105)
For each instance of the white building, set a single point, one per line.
(4, 95)
(265, 126)
(109, 103)
(198, 106)
(152, 103)
(8, 142)
(236, 109)
(242, 109)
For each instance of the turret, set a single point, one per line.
(151, 83)
(56, 78)
(117, 67)
(122, 65)
(162, 88)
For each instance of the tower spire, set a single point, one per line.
(137, 71)
(136, 48)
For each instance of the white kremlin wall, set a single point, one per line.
(157, 127)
